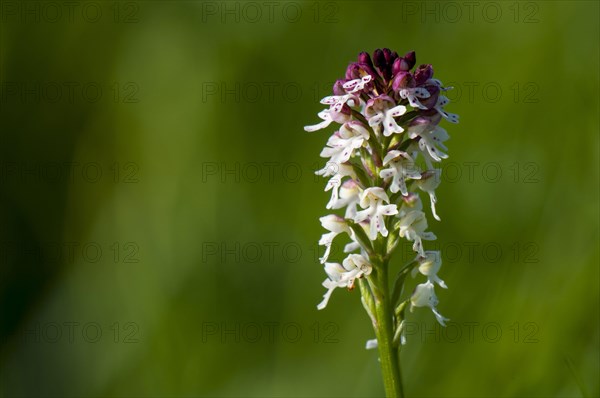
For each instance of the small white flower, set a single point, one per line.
(402, 167)
(432, 139)
(378, 112)
(439, 84)
(424, 296)
(352, 246)
(335, 182)
(430, 265)
(349, 196)
(354, 266)
(412, 227)
(335, 225)
(439, 106)
(413, 95)
(429, 181)
(355, 85)
(337, 102)
(342, 143)
(409, 203)
(374, 200)
(328, 118)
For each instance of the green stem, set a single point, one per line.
(384, 330)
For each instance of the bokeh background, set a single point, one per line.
(159, 213)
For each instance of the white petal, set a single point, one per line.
(390, 156)
(318, 126)
(371, 344)
(440, 318)
(326, 297)
(421, 92)
(397, 111)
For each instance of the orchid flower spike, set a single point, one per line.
(380, 160)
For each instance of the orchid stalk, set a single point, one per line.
(381, 159)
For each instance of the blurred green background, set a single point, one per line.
(159, 213)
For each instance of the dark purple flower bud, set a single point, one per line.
(387, 53)
(411, 59)
(405, 63)
(368, 70)
(423, 73)
(405, 66)
(357, 71)
(397, 66)
(337, 87)
(380, 62)
(353, 71)
(365, 58)
(384, 63)
(379, 59)
(403, 80)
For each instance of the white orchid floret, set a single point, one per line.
(329, 116)
(412, 226)
(381, 111)
(374, 200)
(424, 296)
(354, 266)
(439, 84)
(335, 182)
(402, 168)
(337, 102)
(442, 101)
(352, 246)
(429, 265)
(429, 182)
(410, 202)
(327, 120)
(335, 225)
(335, 274)
(432, 139)
(353, 86)
(331, 169)
(413, 94)
(342, 143)
(349, 196)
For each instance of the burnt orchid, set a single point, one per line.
(381, 159)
